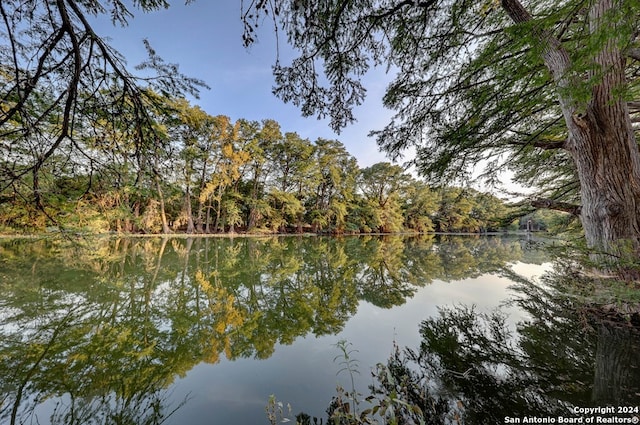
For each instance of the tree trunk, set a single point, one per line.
(217, 228)
(134, 227)
(163, 215)
(199, 217)
(201, 202)
(216, 223)
(299, 223)
(252, 219)
(188, 212)
(608, 160)
(207, 228)
(608, 164)
(601, 142)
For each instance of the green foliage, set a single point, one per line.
(496, 99)
(124, 154)
(349, 365)
(225, 176)
(545, 89)
(91, 147)
(276, 412)
(71, 110)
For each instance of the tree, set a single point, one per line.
(334, 185)
(380, 185)
(55, 74)
(454, 211)
(191, 129)
(419, 205)
(295, 168)
(495, 81)
(226, 172)
(261, 143)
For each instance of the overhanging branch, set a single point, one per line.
(551, 204)
(554, 55)
(633, 53)
(548, 144)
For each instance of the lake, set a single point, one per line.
(205, 330)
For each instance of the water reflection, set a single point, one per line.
(473, 367)
(98, 331)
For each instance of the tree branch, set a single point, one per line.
(31, 82)
(551, 204)
(633, 53)
(543, 144)
(554, 56)
(634, 106)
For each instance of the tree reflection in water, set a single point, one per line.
(98, 332)
(474, 368)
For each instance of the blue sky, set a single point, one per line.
(205, 39)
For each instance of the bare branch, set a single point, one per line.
(634, 106)
(551, 204)
(548, 144)
(633, 53)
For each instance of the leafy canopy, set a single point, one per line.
(469, 85)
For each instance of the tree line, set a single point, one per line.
(208, 174)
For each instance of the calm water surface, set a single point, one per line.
(204, 330)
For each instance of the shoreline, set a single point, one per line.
(252, 235)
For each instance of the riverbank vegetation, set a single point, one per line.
(89, 146)
(548, 92)
(208, 174)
